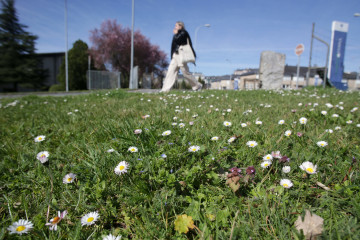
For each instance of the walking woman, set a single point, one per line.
(181, 37)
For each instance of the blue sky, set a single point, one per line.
(240, 29)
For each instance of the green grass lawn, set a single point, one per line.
(184, 173)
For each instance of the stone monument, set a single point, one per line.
(271, 72)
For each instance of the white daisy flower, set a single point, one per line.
(174, 124)
(329, 105)
(354, 109)
(121, 168)
(349, 122)
(20, 227)
(227, 124)
(39, 138)
(287, 133)
(137, 131)
(181, 125)
(214, 138)
(258, 122)
(324, 112)
(358, 125)
(329, 130)
(110, 150)
(231, 139)
(89, 219)
(228, 110)
(281, 122)
(133, 149)
(335, 115)
(322, 144)
(194, 148)
(111, 237)
(251, 144)
(43, 156)
(308, 167)
(243, 125)
(268, 157)
(265, 164)
(175, 118)
(337, 128)
(286, 183)
(303, 120)
(69, 113)
(69, 178)
(166, 133)
(286, 169)
(56, 220)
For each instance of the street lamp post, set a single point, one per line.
(196, 31)
(66, 52)
(131, 86)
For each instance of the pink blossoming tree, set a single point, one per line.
(111, 46)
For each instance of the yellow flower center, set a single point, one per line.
(310, 170)
(251, 144)
(56, 220)
(69, 179)
(122, 168)
(90, 219)
(20, 228)
(267, 157)
(285, 185)
(266, 164)
(43, 155)
(40, 138)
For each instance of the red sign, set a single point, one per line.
(299, 49)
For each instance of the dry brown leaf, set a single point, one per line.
(312, 225)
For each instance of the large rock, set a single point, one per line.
(271, 72)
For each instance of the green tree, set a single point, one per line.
(18, 62)
(77, 67)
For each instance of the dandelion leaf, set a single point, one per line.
(183, 223)
(312, 225)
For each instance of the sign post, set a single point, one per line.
(336, 68)
(298, 51)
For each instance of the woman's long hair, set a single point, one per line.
(181, 24)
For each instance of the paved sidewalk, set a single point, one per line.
(62, 94)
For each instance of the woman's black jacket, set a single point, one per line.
(180, 39)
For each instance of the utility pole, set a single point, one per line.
(311, 45)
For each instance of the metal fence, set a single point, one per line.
(102, 79)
